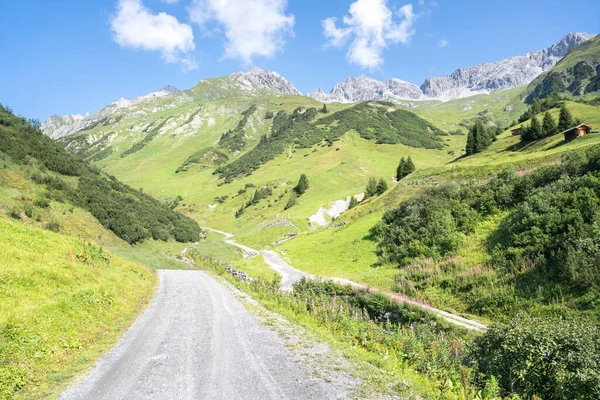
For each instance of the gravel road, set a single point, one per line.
(197, 341)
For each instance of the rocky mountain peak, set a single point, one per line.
(359, 88)
(258, 78)
(464, 82)
(503, 74)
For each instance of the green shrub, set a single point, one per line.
(552, 358)
(15, 213)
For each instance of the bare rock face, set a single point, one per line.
(464, 82)
(258, 79)
(362, 88)
(504, 74)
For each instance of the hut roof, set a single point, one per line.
(574, 127)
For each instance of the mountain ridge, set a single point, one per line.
(464, 82)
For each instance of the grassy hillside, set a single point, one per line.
(129, 213)
(63, 301)
(578, 73)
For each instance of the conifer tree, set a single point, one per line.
(302, 185)
(535, 129)
(536, 107)
(353, 203)
(470, 148)
(382, 186)
(324, 110)
(410, 166)
(371, 189)
(565, 119)
(548, 125)
(401, 170)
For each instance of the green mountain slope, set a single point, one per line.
(578, 73)
(129, 213)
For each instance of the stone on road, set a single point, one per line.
(196, 340)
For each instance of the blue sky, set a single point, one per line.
(73, 56)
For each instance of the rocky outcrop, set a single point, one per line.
(464, 82)
(362, 88)
(258, 79)
(504, 74)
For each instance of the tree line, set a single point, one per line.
(131, 214)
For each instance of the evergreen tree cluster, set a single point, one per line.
(479, 138)
(259, 194)
(548, 127)
(539, 106)
(300, 129)
(129, 213)
(405, 168)
(375, 188)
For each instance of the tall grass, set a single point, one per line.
(62, 303)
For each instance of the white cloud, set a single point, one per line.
(251, 27)
(136, 27)
(373, 26)
(443, 42)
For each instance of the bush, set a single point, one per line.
(14, 213)
(552, 358)
(293, 200)
(371, 189)
(53, 226)
(382, 187)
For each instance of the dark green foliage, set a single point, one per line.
(299, 129)
(146, 140)
(431, 224)
(405, 168)
(260, 194)
(549, 127)
(23, 143)
(302, 185)
(269, 115)
(546, 104)
(551, 84)
(382, 187)
(240, 211)
(551, 358)
(565, 119)
(371, 189)
(479, 138)
(551, 222)
(15, 213)
(593, 85)
(324, 110)
(205, 158)
(353, 202)
(376, 123)
(536, 107)
(130, 214)
(284, 131)
(235, 140)
(533, 131)
(291, 202)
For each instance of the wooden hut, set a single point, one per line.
(516, 132)
(576, 131)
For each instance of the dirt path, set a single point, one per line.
(196, 340)
(291, 275)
